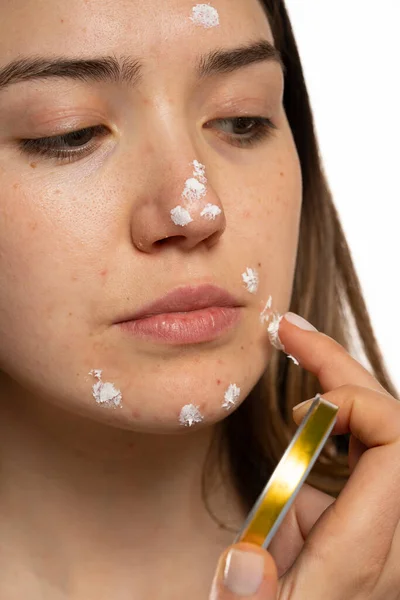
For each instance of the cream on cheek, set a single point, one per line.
(105, 393)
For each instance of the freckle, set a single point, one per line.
(246, 214)
(74, 278)
(242, 347)
(104, 272)
(33, 165)
(136, 413)
(57, 191)
(16, 186)
(131, 445)
(70, 314)
(218, 382)
(281, 174)
(33, 226)
(61, 20)
(259, 264)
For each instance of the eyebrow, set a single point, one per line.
(128, 70)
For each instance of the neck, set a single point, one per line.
(87, 510)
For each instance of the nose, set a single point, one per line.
(183, 211)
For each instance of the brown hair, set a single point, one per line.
(326, 292)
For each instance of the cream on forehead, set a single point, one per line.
(104, 392)
(205, 15)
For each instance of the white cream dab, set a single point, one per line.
(195, 187)
(210, 212)
(273, 328)
(231, 396)
(194, 190)
(250, 279)
(264, 315)
(190, 414)
(180, 216)
(205, 15)
(105, 393)
(199, 171)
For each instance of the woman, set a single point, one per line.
(162, 202)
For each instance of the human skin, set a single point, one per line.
(92, 499)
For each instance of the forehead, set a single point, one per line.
(140, 27)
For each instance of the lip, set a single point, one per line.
(186, 315)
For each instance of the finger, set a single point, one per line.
(323, 356)
(372, 417)
(245, 571)
(288, 541)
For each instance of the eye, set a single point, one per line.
(69, 146)
(244, 131)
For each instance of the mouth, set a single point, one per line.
(187, 315)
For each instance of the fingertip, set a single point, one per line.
(246, 570)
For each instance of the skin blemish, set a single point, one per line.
(231, 396)
(33, 165)
(105, 393)
(104, 272)
(189, 415)
(250, 279)
(180, 216)
(210, 212)
(205, 15)
(218, 382)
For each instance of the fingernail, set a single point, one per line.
(244, 572)
(301, 404)
(299, 321)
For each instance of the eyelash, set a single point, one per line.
(49, 147)
(261, 128)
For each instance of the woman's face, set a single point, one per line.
(87, 237)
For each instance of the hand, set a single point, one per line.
(333, 549)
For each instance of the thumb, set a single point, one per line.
(245, 571)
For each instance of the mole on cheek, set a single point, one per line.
(33, 165)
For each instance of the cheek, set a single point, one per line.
(270, 208)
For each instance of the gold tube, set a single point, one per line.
(292, 470)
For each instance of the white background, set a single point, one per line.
(350, 50)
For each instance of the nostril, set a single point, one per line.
(169, 239)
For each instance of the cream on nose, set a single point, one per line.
(183, 215)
